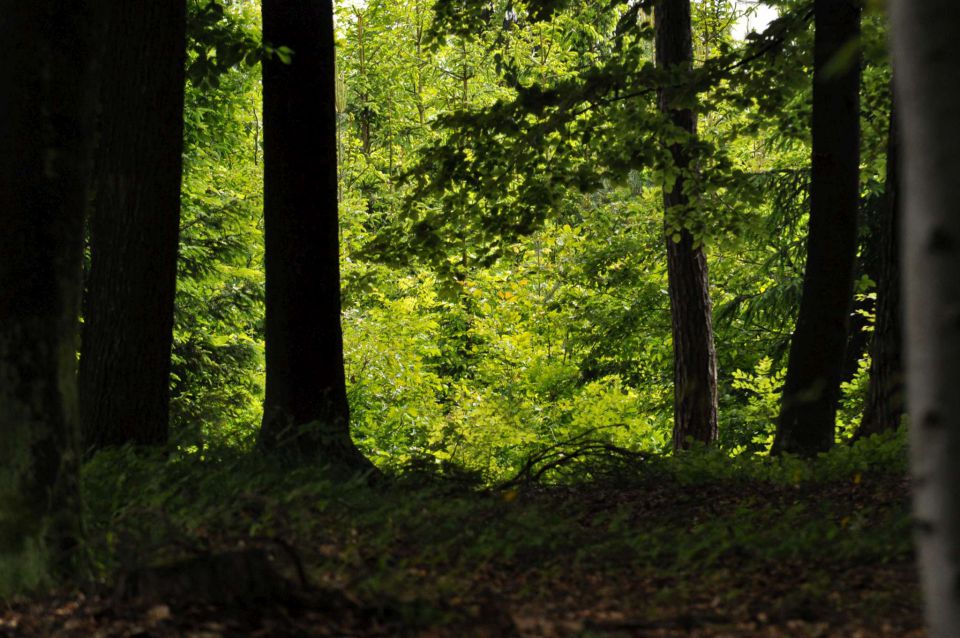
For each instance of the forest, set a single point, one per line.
(479, 318)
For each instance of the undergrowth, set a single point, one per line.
(585, 539)
(602, 510)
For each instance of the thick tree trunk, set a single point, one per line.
(305, 410)
(812, 386)
(134, 227)
(885, 394)
(691, 309)
(928, 102)
(45, 135)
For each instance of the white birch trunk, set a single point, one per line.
(928, 95)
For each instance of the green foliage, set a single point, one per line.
(513, 182)
(504, 281)
(218, 336)
(220, 37)
(754, 424)
(879, 454)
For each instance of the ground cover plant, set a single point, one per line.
(654, 547)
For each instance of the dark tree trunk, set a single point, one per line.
(305, 410)
(928, 103)
(134, 227)
(691, 309)
(45, 135)
(885, 393)
(812, 386)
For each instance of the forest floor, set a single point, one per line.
(236, 548)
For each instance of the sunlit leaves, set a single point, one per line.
(220, 36)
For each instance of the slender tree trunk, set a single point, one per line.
(812, 386)
(419, 39)
(691, 309)
(134, 227)
(45, 134)
(365, 111)
(305, 410)
(867, 265)
(885, 394)
(928, 99)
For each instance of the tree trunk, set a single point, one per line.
(928, 102)
(884, 403)
(812, 387)
(45, 134)
(134, 228)
(365, 111)
(305, 410)
(859, 338)
(691, 309)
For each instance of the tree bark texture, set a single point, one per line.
(885, 393)
(812, 386)
(928, 103)
(134, 227)
(45, 135)
(305, 409)
(691, 309)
